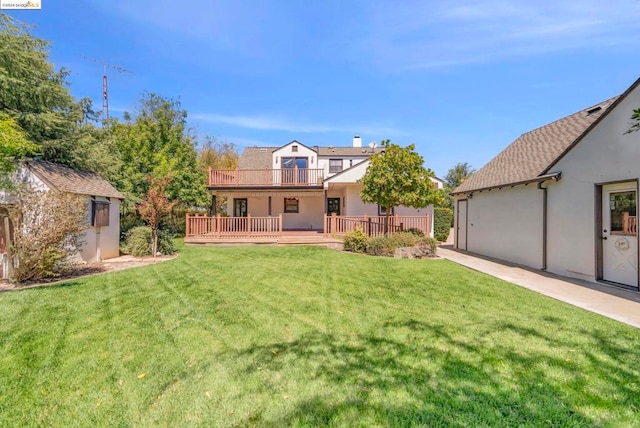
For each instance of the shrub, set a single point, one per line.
(415, 231)
(386, 245)
(356, 241)
(46, 234)
(442, 218)
(138, 242)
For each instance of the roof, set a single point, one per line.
(535, 152)
(66, 179)
(261, 157)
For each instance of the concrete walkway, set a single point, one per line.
(610, 301)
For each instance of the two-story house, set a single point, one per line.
(299, 188)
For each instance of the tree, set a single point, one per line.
(14, 146)
(458, 174)
(154, 207)
(635, 116)
(34, 93)
(397, 176)
(216, 154)
(157, 142)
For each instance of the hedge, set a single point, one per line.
(442, 220)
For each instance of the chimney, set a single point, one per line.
(357, 141)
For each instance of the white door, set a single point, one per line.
(620, 233)
(461, 225)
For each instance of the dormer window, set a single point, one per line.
(294, 149)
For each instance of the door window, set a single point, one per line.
(333, 206)
(622, 208)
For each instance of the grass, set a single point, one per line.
(302, 336)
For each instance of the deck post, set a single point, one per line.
(280, 224)
(217, 228)
(324, 224)
(295, 175)
(248, 224)
(186, 222)
(209, 174)
(237, 176)
(334, 223)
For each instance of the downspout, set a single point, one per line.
(544, 226)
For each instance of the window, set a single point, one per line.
(335, 165)
(99, 213)
(294, 149)
(622, 207)
(383, 210)
(290, 205)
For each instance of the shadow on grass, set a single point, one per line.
(417, 373)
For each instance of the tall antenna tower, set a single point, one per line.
(105, 83)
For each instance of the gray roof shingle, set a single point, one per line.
(534, 152)
(66, 179)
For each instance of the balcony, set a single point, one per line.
(286, 177)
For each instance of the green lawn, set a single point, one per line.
(244, 336)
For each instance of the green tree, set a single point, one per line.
(14, 145)
(635, 116)
(397, 176)
(157, 142)
(34, 93)
(458, 174)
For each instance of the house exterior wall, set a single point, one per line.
(605, 155)
(309, 216)
(506, 224)
(287, 151)
(347, 162)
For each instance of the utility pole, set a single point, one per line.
(105, 83)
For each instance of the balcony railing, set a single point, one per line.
(266, 177)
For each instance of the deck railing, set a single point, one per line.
(266, 177)
(375, 225)
(204, 227)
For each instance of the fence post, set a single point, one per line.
(427, 226)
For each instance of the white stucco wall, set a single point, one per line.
(287, 151)
(507, 224)
(606, 154)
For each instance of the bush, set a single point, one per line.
(442, 218)
(415, 231)
(356, 241)
(386, 245)
(138, 242)
(46, 233)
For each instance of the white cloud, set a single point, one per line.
(270, 123)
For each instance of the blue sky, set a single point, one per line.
(460, 79)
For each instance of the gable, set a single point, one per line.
(533, 153)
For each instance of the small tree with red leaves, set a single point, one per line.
(154, 207)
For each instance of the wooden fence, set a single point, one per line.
(233, 227)
(375, 225)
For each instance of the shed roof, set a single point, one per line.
(535, 152)
(66, 179)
